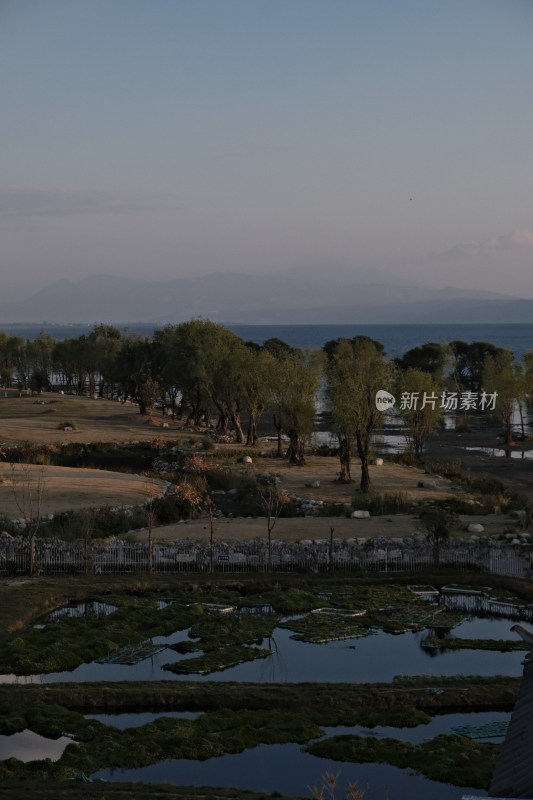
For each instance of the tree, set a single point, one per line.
(273, 501)
(40, 360)
(419, 406)
(357, 370)
(132, 369)
(296, 379)
(103, 347)
(257, 388)
(468, 361)
(438, 524)
(28, 485)
(430, 357)
(211, 508)
(503, 376)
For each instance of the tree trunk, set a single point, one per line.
(277, 425)
(509, 432)
(236, 420)
(345, 475)
(362, 452)
(365, 476)
(522, 425)
(295, 452)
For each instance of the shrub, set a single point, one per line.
(63, 426)
(379, 503)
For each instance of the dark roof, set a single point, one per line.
(513, 776)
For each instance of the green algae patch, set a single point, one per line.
(65, 790)
(69, 642)
(364, 609)
(99, 746)
(223, 641)
(455, 643)
(448, 759)
(217, 660)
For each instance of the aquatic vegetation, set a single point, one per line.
(455, 643)
(218, 659)
(73, 641)
(469, 762)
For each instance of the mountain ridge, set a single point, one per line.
(242, 298)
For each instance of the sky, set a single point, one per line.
(165, 138)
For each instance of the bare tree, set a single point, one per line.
(273, 501)
(150, 510)
(211, 508)
(28, 486)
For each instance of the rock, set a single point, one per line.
(377, 462)
(475, 527)
(360, 514)
(427, 484)
(247, 460)
(313, 484)
(164, 424)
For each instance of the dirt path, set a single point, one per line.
(297, 528)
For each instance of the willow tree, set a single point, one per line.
(502, 375)
(357, 370)
(419, 406)
(296, 380)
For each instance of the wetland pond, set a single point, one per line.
(375, 658)
(288, 768)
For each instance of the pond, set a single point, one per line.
(92, 609)
(29, 746)
(136, 719)
(288, 769)
(499, 452)
(378, 657)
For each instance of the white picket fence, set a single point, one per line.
(181, 556)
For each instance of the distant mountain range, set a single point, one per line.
(261, 299)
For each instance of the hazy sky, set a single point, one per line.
(157, 138)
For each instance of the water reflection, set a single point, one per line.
(92, 609)
(376, 658)
(289, 770)
(29, 746)
(136, 720)
(499, 452)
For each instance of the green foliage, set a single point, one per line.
(357, 370)
(450, 759)
(419, 406)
